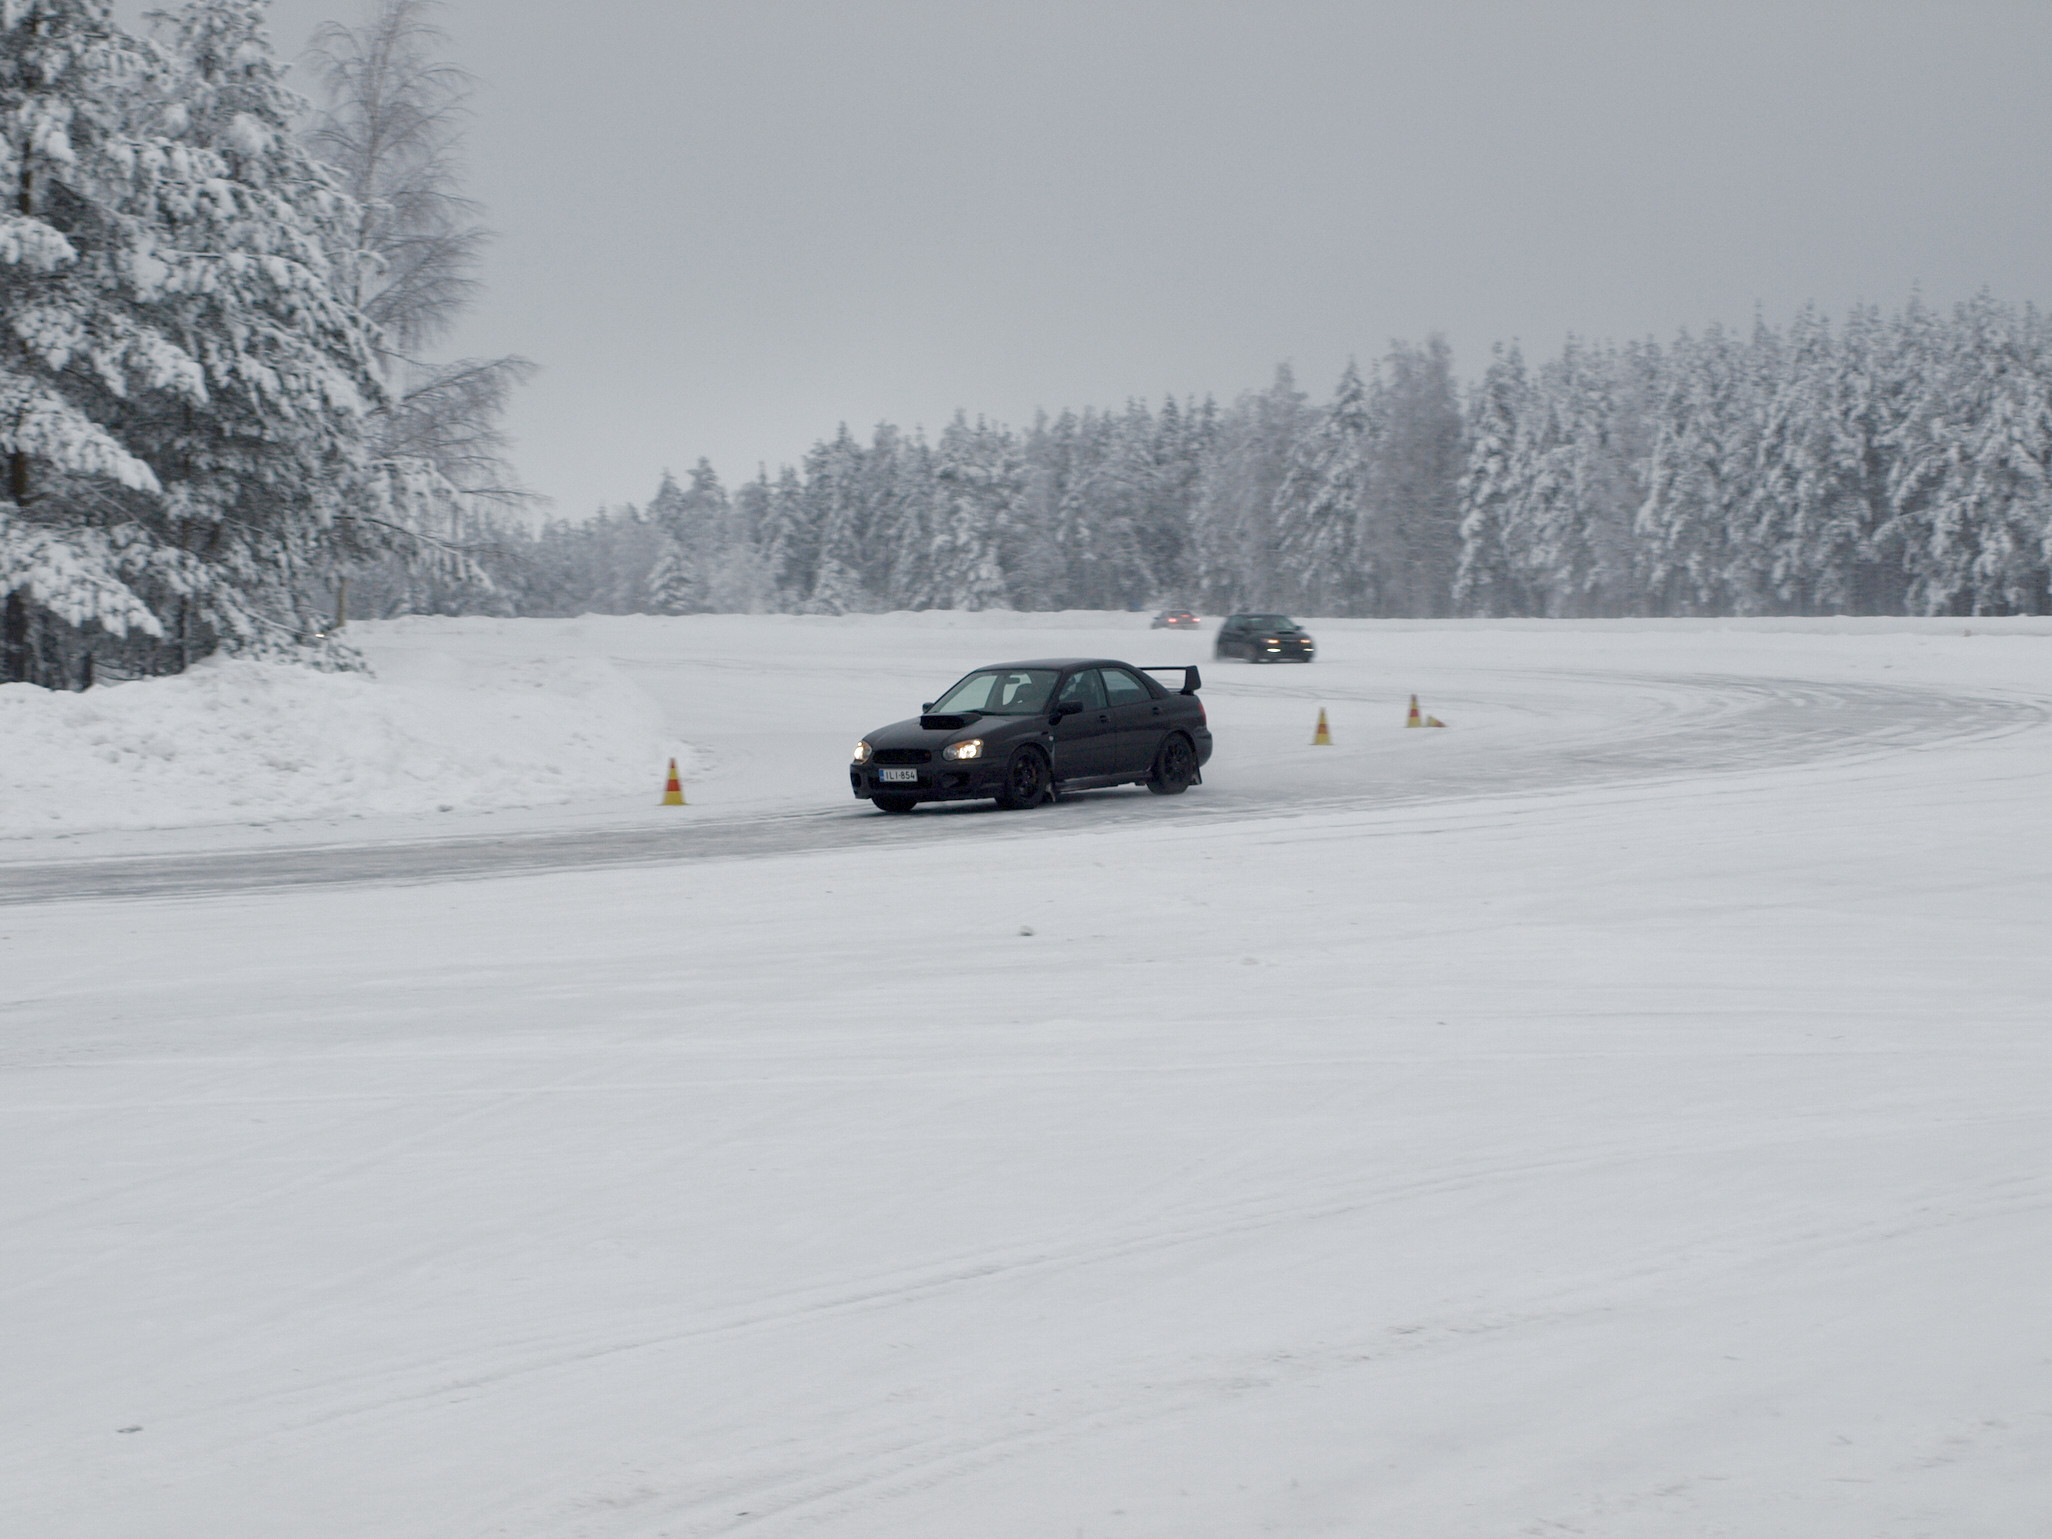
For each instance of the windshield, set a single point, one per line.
(1271, 622)
(999, 692)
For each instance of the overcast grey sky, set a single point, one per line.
(727, 227)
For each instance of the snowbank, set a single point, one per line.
(249, 742)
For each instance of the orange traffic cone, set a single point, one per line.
(1434, 721)
(1415, 720)
(673, 788)
(1322, 738)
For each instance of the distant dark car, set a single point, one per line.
(1022, 732)
(1264, 639)
(1174, 620)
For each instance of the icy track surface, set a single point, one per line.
(1622, 1114)
(762, 712)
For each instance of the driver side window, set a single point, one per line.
(1086, 689)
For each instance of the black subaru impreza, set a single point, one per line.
(1023, 732)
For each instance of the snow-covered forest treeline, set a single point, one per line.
(212, 402)
(1885, 464)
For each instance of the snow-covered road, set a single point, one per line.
(1523, 730)
(1622, 1114)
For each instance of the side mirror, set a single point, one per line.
(925, 708)
(1068, 708)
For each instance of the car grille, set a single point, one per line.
(904, 756)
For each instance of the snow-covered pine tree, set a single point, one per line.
(75, 339)
(1036, 560)
(1977, 453)
(1182, 437)
(788, 541)
(741, 582)
(1416, 479)
(182, 383)
(1123, 492)
(1095, 547)
(1323, 515)
(258, 481)
(1871, 402)
(1819, 488)
(978, 478)
(693, 526)
(1701, 479)
(891, 490)
(835, 508)
(1578, 487)
(1233, 515)
(902, 515)
(1099, 473)
(672, 585)
(1487, 579)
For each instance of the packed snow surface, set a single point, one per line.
(1465, 1133)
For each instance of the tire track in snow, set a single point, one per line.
(1188, 1224)
(869, 1469)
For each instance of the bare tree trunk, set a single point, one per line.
(14, 640)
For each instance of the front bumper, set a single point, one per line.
(942, 780)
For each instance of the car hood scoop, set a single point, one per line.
(948, 723)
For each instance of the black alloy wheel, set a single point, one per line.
(895, 803)
(1026, 779)
(1175, 766)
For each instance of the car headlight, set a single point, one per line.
(862, 752)
(973, 749)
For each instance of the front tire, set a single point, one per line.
(1026, 781)
(1175, 766)
(895, 803)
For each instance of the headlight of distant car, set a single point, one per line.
(862, 751)
(973, 749)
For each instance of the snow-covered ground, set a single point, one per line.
(1624, 1114)
(243, 742)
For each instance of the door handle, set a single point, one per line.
(1103, 717)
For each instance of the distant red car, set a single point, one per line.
(1174, 620)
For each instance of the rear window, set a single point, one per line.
(1121, 688)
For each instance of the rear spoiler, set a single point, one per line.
(1192, 680)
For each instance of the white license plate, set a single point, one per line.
(911, 775)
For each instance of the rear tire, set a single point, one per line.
(1026, 781)
(895, 803)
(1175, 766)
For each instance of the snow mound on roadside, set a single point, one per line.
(239, 742)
